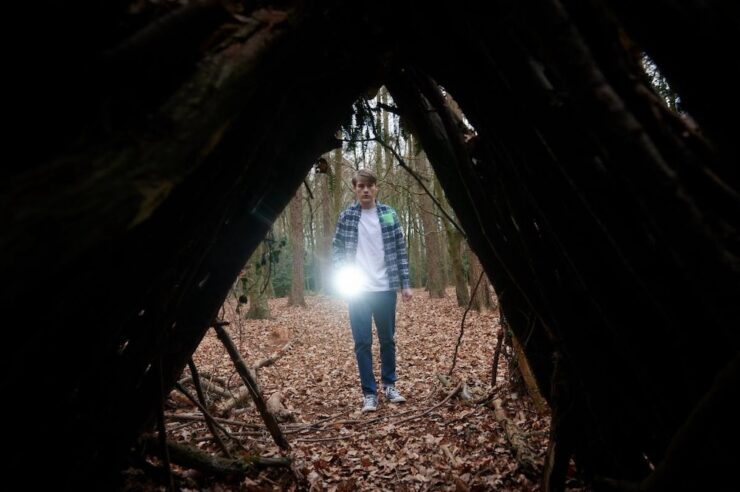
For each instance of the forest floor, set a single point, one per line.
(455, 445)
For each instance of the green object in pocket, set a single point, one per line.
(387, 218)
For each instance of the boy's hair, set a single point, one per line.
(364, 175)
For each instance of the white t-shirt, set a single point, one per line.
(370, 253)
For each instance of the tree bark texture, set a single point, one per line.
(170, 139)
(327, 229)
(258, 279)
(482, 296)
(296, 297)
(432, 245)
(578, 177)
(454, 243)
(454, 240)
(105, 211)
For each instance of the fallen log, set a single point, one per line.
(276, 407)
(268, 361)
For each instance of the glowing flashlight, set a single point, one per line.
(348, 281)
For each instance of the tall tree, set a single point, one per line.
(322, 178)
(482, 297)
(454, 241)
(337, 182)
(435, 274)
(257, 280)
(296, 297)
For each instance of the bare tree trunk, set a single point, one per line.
(412, 236)
(310, 238)
(337, 183)
(296, 297)
(257, 279)
(482, 299)
(435, 274)
(387, 156)
(378, 158)
(454, 240)
(418, 255)
(327, 227)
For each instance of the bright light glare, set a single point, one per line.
(348, 281)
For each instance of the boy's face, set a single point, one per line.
(366, 193)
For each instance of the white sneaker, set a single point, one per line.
(392, 395)
(370, 403)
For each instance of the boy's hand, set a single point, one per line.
(407, 294)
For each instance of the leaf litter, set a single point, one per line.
(457, 446)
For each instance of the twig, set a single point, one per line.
(191, 417)
(403, 164)
(243, 392)
(192, 457)
(449, 395)
(486, 400)
(235, 434)
(413, 174)
(207, 375)
(209, 419)
(376, 419)
(400, 414)
(209, 387)
(321, 439)
(181, 426)
(462, 323)
(494, 367)
(312, 425)
(383, 417)
(251, 383)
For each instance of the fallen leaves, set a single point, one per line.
(456, 446)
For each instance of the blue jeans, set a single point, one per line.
(382, 307)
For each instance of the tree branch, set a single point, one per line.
(251, 384)
(209, 419)
(196, 459)
(403, 164)
(462, 323)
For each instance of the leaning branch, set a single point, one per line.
(251, 383)
(190, 457)
(452, 393)
(418, 179)
(462, 324)
(243, 393)
(210, 422)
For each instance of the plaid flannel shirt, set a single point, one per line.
(394, 245)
